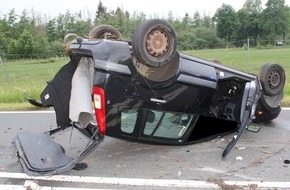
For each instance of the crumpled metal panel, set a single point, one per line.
(39, 154)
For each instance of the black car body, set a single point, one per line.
(141, 93)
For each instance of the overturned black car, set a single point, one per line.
(144, 90)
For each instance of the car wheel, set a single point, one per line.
(272, 77)
(105, 32)
(268, 108)
(154, 43)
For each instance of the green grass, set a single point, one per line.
(18, 78)
(30, 76)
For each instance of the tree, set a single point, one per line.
(170, 17)
(206, 39)
(185, 39)
(65, 23)
(186, 21)
(252, 6)
(51, 32)
(26, 43)
(23, 46)
(197, 19)
(3, 43)
(9, 25)
(81, 26)
(192, 32)
(249, 26)
(41, 47)
(25, 23)
(56, 48)
(241, 35)
(274, 21)
(253, 26)
(101, 12)
(135, 20)
(288, 26)
(227, 22)
(120, 20)
(207, 22)
(3, 39)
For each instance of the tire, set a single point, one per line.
(270, 108)
(272, 77)
(104, 32)
(154, 43)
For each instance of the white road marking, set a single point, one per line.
(21, 187)
(27, 112)
(143, 182)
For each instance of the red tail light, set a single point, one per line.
(100, 108)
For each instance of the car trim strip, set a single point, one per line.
(158, 100)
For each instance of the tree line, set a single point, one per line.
(28, 35)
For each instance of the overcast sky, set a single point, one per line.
(151, 8)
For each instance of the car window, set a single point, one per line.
(128, 120)
(158, 124)
(168, 125)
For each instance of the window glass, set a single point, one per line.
(167, 125)
(158, 124)
(128, 120)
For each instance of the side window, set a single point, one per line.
(158, 124)
(128, 120)
(151, 125)
(167, 124)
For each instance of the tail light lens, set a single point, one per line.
(100, 108)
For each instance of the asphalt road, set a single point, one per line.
(258, 160)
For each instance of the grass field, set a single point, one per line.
(18, 78)
(25, 77)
